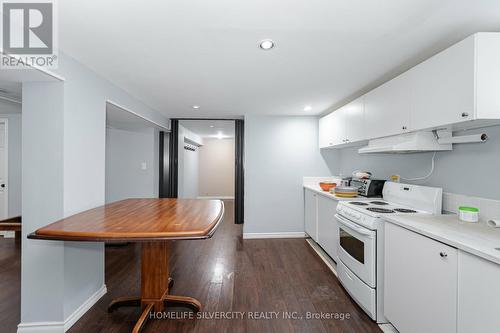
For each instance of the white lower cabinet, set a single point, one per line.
(478, 294)
(328, 233)
(311, 214)
(420, 292)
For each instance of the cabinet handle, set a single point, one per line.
(443, 254)
(465, 114)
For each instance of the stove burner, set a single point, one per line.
(404, 210)
(380, 203)
(358, 203)
(380, 210)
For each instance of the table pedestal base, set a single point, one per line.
(155, 285)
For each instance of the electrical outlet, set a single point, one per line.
(144, 166)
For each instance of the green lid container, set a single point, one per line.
(468, 209)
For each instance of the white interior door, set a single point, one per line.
(3, 170)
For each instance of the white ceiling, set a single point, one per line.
(210, 128)
(174, 54)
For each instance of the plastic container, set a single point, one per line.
(468, 214)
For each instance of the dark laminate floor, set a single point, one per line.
(10, 284)
(226, 274)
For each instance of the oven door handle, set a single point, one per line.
(347, 223)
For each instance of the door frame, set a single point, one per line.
(6, 167)
(169, 189)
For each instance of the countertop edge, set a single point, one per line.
(443, 239)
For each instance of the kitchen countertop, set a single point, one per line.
(475, 238)
(318, 190)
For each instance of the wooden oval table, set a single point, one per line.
(153, 222)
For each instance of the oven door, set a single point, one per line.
(357, 249)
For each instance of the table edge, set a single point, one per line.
(70, 238)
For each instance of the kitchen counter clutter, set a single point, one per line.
(312, 183)
(475, 238)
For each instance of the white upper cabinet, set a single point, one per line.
(457, 88)
(353, 121)
(326, 131)
(443, 87)
(387, 108)
(487, 75)
(345, 125)
(331, 130)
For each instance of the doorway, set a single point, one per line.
(10, 158)
(205, 161)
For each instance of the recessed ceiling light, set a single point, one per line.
(196, 107)
(266, 44)
(308, 108)
(211, 126)
(220, 135)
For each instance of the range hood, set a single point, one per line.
(405, 143)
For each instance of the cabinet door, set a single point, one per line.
(388, 107)
(328, 233)
(331, 131)
(478, 291)
(326, 131)
(338, 119)
(353, 121)
(420, 293)
(311, 214)
(444, 87)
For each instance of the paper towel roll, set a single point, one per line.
(494, 223)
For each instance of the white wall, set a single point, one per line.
(279, 151)
(12, 112)
(187, 164)
(190, 174)
(464, 170)
(216, 168)
(126, 151)
(64, 137)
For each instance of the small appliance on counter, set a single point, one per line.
(370, 188)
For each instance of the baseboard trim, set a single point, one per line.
(82, 309)
(254, 235)
(41, 327)
(63, 326)
(216, 197)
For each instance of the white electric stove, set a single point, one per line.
(361, 239)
